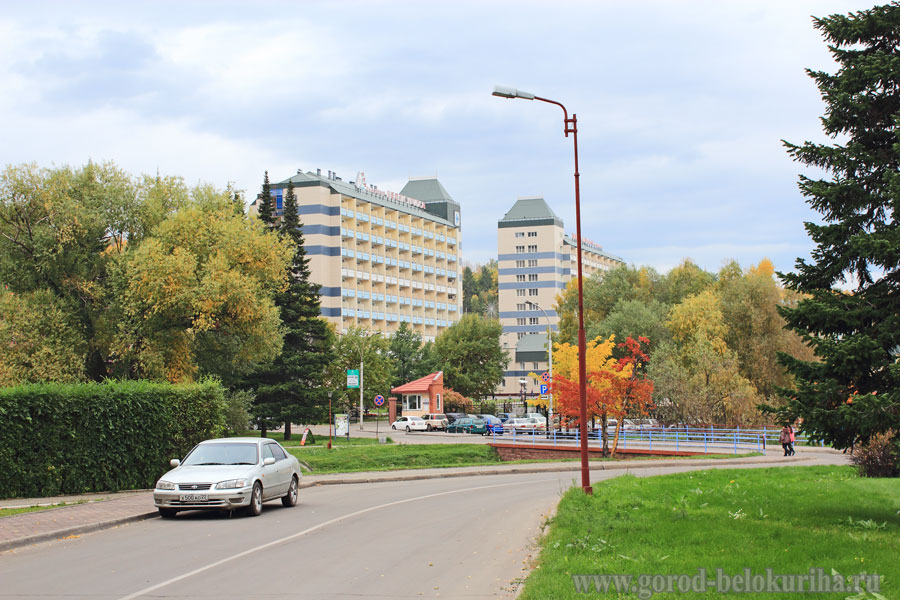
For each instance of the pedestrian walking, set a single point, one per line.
(791, 446)
(785, 439)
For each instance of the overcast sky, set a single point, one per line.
(681, 106)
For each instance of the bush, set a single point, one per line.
(237, 411)
(73, 438)
(878, 458)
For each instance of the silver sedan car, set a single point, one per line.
(228, 474)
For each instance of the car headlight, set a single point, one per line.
(165, 485)
(231, 484)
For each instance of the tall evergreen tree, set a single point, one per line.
(292, 388)
(264, 202)
(853, 390)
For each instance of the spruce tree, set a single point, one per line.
(292, 386)
(853, 390)
(264, 202)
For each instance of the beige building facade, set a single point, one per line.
(536, 258)
(380, 258)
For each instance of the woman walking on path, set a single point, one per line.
(785, 439)
(791, 445)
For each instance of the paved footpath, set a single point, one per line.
(103, 511)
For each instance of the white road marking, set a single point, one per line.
(213, 565)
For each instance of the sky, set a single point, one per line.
(681, 106)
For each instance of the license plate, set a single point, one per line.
(193, 497)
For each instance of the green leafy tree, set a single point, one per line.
(602, 291)
(470, 352)
(292, 387)
(852, 391)
(39, 341)
(378, 368)
(634, 319)
(755, 331)
(407, 352)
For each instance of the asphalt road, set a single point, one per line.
(464, 537)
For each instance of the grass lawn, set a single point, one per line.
(320, 439)
(8, 512)
(388, 457)
(786, 519)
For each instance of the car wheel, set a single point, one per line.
(167, 513)
(407, 429)
(428, 427)
(290, 499)
(255, 508)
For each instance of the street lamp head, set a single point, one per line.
(504, 91)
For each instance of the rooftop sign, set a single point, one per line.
(362, 186)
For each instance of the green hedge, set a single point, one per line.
(74, 438)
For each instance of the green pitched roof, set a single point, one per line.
(530, 209)
(426, 189)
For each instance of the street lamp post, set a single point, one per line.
(550, 362)
(330, 419)
(569, 126)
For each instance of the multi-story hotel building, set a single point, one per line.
(381, 258)
(536, 258)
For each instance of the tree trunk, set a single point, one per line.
(616, 438)
(603, 434)
(287, 430)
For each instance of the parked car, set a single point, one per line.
(492, 425)
(504, 417)
(523, 424)
(410, 424)
(467, 425)
(435, 421)
(454, 416)
(537, 416)
(227, 474)
(630, 424)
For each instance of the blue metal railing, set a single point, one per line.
(707, 441)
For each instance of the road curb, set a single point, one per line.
(574, 467)
(72, 531)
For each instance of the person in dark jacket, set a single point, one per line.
(785, 439)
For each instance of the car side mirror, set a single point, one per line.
(174, 462)
(269, 461)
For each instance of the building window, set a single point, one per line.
(520, 321)
(520, 249)
(520, 234)
(412, 402)
(532, 234)
(520, 335)
(533, 321)
(532, 277)
(521, 306)
(532, 262)
(437, 402)
(520, 264)
(535, 366)
(532, 248)
(532, 292)
(520, 278)
(520, 292)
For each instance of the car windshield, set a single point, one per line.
(222, 454)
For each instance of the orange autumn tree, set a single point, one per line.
(600, 364)
(629, 392)
(615, 387)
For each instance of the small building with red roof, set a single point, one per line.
(422, 396)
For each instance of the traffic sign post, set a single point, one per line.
(379, 402)
(352, 378)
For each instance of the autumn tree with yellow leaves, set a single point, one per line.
(142, 277)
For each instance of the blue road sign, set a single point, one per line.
(379, 400)
(543, 389)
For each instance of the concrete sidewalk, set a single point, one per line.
(102, 511)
